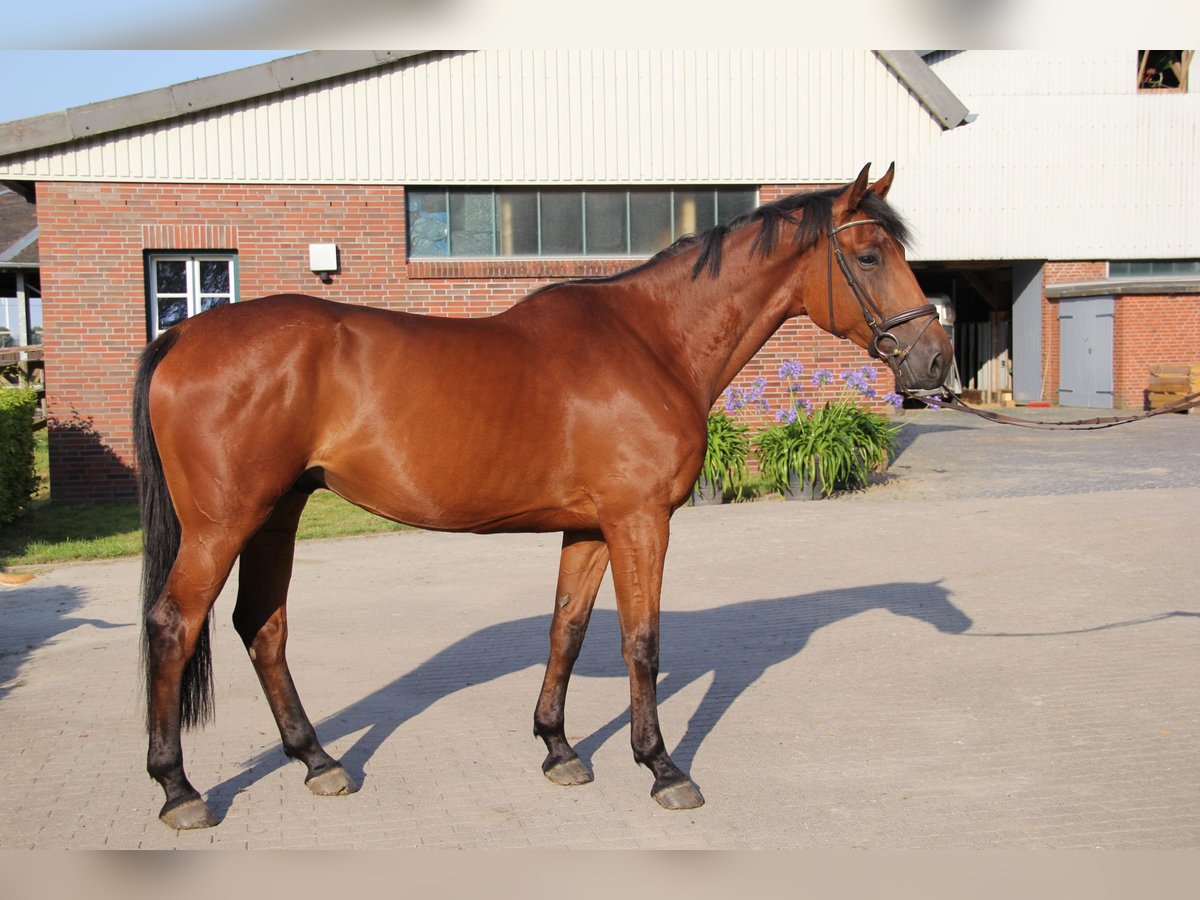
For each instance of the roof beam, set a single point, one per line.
(929, 90)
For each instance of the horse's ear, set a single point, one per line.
(884, 184)
(852, 196)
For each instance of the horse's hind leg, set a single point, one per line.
(173, 627)
(581, 569)
(260, 619)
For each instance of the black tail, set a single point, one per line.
(160, 542)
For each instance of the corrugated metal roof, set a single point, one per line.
(526, 116)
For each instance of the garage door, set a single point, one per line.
(1085, 328)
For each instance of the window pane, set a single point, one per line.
(210, 302)
(171, 312)
(10, 321)
(214, 276)
(472, 230)
(35, 320)
(427, 225)
(517, 214)
(731, 204)
(605, 217)
(172, 276)
(649, 221)
(562, 223)
(693, 212)
(1136, 268)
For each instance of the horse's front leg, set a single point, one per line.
(173, 626)
(580, 571)
(638, 546)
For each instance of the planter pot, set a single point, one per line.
(706, 494)
(803, 490)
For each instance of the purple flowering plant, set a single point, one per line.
(834, 445)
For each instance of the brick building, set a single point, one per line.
(455, 183)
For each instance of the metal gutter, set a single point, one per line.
(915, 74)
(147, 107)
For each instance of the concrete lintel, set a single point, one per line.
(1116, 287)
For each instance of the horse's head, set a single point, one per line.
(873, 298)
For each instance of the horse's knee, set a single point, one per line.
(640, 650)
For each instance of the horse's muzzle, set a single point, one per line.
(919, 375)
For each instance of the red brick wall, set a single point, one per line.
(1151, 330)
(92, 241)
(1147, 330)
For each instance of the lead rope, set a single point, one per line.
(953, 401)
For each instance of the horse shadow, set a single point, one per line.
(911, 432)
(735, 644)
(34, 617)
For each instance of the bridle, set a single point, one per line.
(881, 326)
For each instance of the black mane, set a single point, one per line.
(811, 212)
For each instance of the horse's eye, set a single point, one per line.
(868, 259)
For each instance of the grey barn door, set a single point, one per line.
(1085, 374)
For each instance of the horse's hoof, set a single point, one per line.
(332, 782)
(681, 795)
(570, 771)
(192, 813)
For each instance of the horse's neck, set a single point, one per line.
(714, 326)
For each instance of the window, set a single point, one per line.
(1154, 268)
(181, 285)
(1163, 70)
(20, 308)
(607, 222)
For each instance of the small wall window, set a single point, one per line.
(1163, 70)
(180, 285)
(596, 222)
(1154, 268)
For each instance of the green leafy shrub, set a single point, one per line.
(724, 467)
(835, 448)
(18, 477)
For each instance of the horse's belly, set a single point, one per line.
(462, 504)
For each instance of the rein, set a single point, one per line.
(896, 358)
(953, 401)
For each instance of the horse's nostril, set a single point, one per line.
(937, 366)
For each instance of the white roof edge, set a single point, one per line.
(37, 132)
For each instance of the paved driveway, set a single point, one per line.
(996, 648)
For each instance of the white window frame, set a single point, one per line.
(192, 294)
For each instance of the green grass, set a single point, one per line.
(63, 532)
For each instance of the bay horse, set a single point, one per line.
(580, 409)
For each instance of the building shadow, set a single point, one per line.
(83, 467)
(32, 618)
(734, 644)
